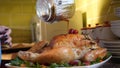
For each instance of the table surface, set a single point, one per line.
(8, 56)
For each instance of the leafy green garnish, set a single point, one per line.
(79, 63)
(54, 65)
(66, 65)
(17, 61)
(107, 56)
(96, 61)
(99, 59)
(38, 65)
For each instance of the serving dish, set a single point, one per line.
(8, 65)
(112, 42)
(114, 50)
(18, 46)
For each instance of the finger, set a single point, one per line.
(8, 31)
(8, 40)
(4, 37)
(5, 30)
(2, 28)
(10, 44)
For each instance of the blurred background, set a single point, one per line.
(20, 16)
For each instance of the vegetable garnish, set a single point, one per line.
(17, 61)
(21, 63)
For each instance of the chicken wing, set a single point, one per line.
(94, 54)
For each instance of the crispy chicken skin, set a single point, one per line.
(38, 46)
(51, 56)
(94, 54)
(64, 48)
(69, 40)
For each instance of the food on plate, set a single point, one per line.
(22, 45)
(38, 46)
(64, 50)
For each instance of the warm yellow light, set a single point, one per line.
(96, 10)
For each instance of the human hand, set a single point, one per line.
(5, 35)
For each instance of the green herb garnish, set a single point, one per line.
(17, 61)
(107, 56)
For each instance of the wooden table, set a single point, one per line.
(6, 59)
(7, 56)
(10, 53)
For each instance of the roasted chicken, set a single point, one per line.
(63, 49)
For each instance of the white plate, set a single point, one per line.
(112, 42)
(114, 46)
(8, 65)
(111, 45)
(114, 50)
